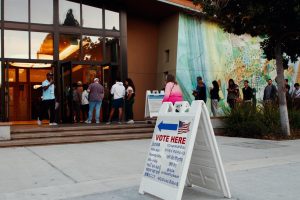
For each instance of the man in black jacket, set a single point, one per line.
(270, 92)
(247, 92)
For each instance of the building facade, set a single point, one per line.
(79, 40)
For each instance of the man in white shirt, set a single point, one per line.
(118, 92)
(48, 101)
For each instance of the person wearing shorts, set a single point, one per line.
(118, 92)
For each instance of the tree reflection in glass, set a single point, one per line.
(92, 48)
(112, 49)
(70, 19)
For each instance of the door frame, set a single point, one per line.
(5, 83)
(60, 92)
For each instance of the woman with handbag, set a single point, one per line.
(173, 92)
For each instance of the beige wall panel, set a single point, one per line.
(168, 39)
(142, 59)
(143, 82)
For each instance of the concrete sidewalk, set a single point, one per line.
(256, 170)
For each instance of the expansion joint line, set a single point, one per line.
(52, 165)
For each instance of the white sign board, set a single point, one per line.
(153, 103)
(183, 150)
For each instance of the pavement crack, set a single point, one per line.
(52, 165)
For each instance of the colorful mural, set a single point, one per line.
(206, 50)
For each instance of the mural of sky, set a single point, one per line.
(206, 50)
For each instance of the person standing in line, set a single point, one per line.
(48, 102)
(270, 92)
(233, 93)
(106, 103)
(200, 92)
(85, 103)
(77, 94)
(96, 94)
(173, 92)
(247, 92)
(118, 92)
(129, 100)
(287, 94)
(215, 98)
(296, 97)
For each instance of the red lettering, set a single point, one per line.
(168, 138)
(158, 137)
(183, 140)
(163, 138)
(173, 139)
(178, 140)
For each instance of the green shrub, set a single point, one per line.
(244, 121)
(270, 116)
(294, 117)
(257, 122)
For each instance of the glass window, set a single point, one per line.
(91, 17)
(16, 44)
(38, 75)
(41, 46)
(11, 75)
(112, 49)
(16, 10)
(69, 13)
(22, 75)
(69, 47)
(92, 48)
(112, 20)
(41, 11)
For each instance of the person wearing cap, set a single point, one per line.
(48, 100)
(96, 94)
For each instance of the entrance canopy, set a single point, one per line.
(150, 9)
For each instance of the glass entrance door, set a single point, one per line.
(24, 89)
(71, 74)
(66, 92)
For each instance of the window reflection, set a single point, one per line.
(92, 48)
(41, 11)
(69, 47)
(16, 10)
(41, 46)
(16, 44)
(91, 17)
(69, 13)
(112, 49)
(112, 20)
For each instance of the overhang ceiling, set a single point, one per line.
(150, 9)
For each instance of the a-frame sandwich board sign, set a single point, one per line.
(183, 151)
